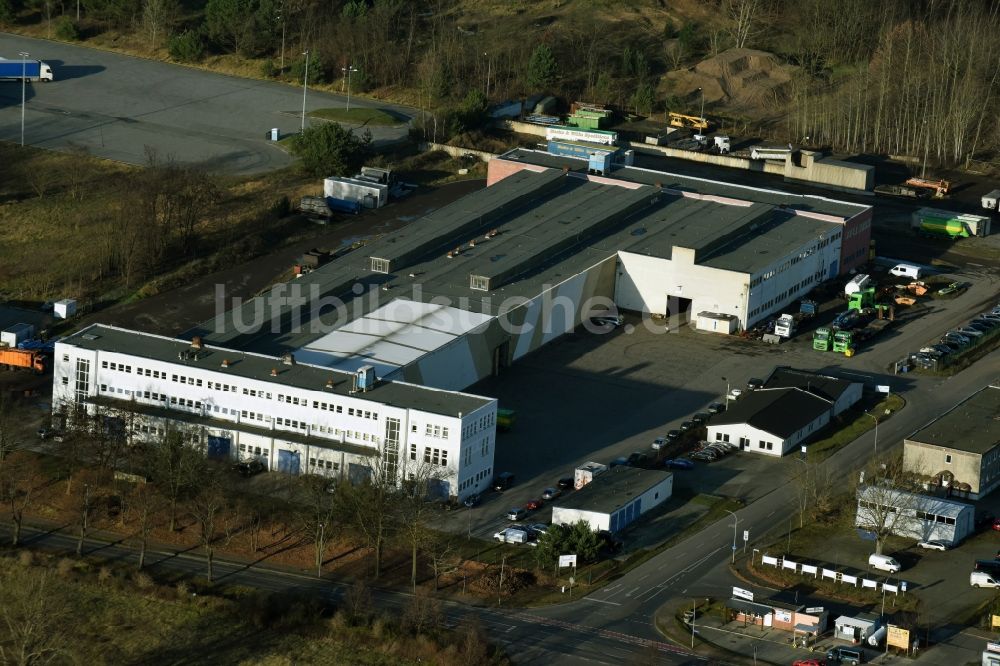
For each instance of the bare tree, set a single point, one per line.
(441, 551)
(146, 502)
(18, 477)
(813, 490)
(8, 424)
(177, 467)
(208, 506)
(372, 505)
(742, 19)
(34, 618)
(157, 16)
(316, 515)
(84, 511)
(887, 498)
(415, 509)
(422, 613)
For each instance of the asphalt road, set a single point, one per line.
(119, 107)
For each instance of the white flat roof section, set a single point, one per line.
(390, 337)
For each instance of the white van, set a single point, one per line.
(982, 579)
(906, 270)
(883, 563)
(859, 282)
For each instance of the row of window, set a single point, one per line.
(255, 450)
(857, 229)
(921, 515)
(484, 422)
(321, 465)
(229, 388)
(791, 262)
(441, 432)
(431, 455)
(474, 481)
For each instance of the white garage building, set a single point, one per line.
(614, 499)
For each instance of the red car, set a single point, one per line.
(996, 524)
(533, 505)
(809, 662)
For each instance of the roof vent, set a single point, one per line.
(225, 363)
(472, 243)
(329, 384)
(89, 336)
(288, 359)
(274, 372)
(196, 342)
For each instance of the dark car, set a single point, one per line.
(619, 462)
(248, 468)
(637, 458)
(687, 425)
(678, 463)
(471, 501)
(701, 418)
(566, 483)
(673, 434)
(716, 408)
(551, 493)
(753, 384)
(503, 481)
(610, 542)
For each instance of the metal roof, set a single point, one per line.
(972, 425)
(824, 386)
(99, 337)
(613, 489)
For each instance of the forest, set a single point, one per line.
(901, 77)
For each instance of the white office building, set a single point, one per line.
(296, 418)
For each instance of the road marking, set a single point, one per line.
(632, 591)
(772, 513)
(603, 601)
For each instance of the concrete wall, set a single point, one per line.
(644, 284)
(522, 128)
(457, 151)
(979, 471)
(811, 169)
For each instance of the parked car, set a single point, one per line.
(637, 458)
(717, 408)
(983, 579)
(503, 481)
(883, 563)
(620, 461)
(517, 513)
(533, 505)
(678, 463)
(996, 525)
(687, 425)
(44, 432)
(701, 418)
(753, 384)
(674, 434)
(471, 501)
(551, 493)
(659, 443)
(808, 662)
(248, 468)
(705, 455)
(607, 321)
(969, 329)
(566, 482)
(933, 544)
(735, 394)
(538, 528)
(845, 655)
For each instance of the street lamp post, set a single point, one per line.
(702, 116)
(694, 615)
(727, 392)
(350, 69)
(24, 79)
(281, 17)
(489, 71)
(875, 418)
(305, 87)
(736, 521)
(319, 555)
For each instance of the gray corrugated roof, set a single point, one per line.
(612, 490)
(973, 425)
(252, 366)
(781, 412)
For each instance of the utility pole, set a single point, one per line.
(727, 392)
(319, 552)
(489, 71)
(350, 69)
(305, 86)
(24, 79)
(702, 116)
(503, 561)
(281, 17)
(875, 418)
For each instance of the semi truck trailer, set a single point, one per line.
(30, 70)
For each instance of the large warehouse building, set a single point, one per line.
(468, 289)
(455, 297)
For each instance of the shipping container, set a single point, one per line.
(991, 200)
(343, 206)
(367, 193)
(578, 149)
(16, 334)
(64, 309)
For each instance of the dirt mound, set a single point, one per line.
(743, 78)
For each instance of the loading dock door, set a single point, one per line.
(218, 447)
(288, 461)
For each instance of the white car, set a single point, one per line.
(933, 545)
(735, 394)
(659, 443)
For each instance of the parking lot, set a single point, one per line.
(602, 396)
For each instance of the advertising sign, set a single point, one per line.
(898, 637)
(567, 561)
